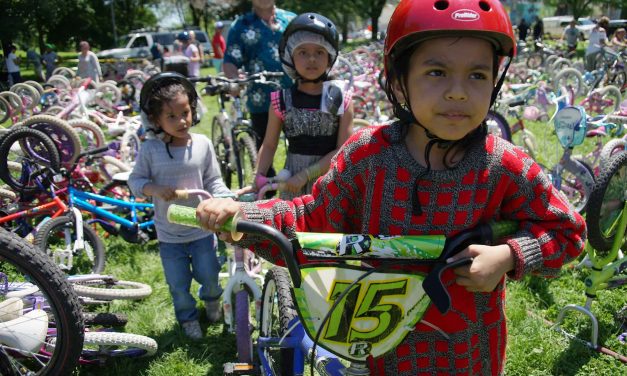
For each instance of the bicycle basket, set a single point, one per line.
(570, 126)
(373, 317)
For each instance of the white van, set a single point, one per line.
(554, 26)
(137, 45)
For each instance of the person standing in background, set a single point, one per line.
(50, 60)
(218, 44)
(191, 51)
(523, 29)
(88, 64)
(596, 42)
(32, 57)
(253, 46)
(538, 29)
(13, 66)
(195, 42)
(571, 35)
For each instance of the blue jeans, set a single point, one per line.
(184, 261)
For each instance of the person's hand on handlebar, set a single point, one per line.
(213, 213)
(295, 183)
(489, 265)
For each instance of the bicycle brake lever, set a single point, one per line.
(433, 284)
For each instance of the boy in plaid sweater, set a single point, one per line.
(437, 171)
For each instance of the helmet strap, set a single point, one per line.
(499, 84)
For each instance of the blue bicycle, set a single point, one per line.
(72, 240)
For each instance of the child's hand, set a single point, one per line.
(295, 183)
(488, 266)
(213, 214)
(163, 192)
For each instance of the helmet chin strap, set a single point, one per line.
(323, 77)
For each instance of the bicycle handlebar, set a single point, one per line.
(219, 84)
(432, 284)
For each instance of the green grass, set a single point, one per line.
(534, 348)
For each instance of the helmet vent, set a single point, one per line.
(441, 4)
(484, 6)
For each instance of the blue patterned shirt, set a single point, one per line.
(252, 45)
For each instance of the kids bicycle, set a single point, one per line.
(22, 264)
(242, 271)
(69, 235)
(607, 221)
(336, 309)
(232, 136)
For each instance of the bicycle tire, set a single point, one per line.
(112, 290)
(105, 319)
(109, 166)
(90, 134)
(612, 147)
(5, 110)
(64, 72)
(64, 136)
(36, 85)
(561, 79)
(136, 345)
(107, 95)
(577, 193)
(610, 185)
(28, 94)
(17, 257)
(246, 159)
(59, 233)
(534, 60)
(242, 328)
(277, 311)
(497, 124)
(14, 101)
(129, 147)
(36, 151)
(221, 150)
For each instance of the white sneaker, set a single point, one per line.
(192, 329)
(214, 310)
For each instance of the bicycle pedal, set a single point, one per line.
(240, 369)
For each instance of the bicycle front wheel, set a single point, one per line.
(246, 159)
(22, 264)
(58, 236)
(277, 311)
(498, 126)
(606, 204)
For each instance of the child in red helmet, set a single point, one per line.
(437, 171)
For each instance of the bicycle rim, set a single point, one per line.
(22, 264)
(57, 238)
(242, 327)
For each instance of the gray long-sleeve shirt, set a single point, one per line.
(193, 167)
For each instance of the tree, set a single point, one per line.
(582, 8)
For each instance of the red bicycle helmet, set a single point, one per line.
(416, 20)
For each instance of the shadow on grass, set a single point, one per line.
(539, 287)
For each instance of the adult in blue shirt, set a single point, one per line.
(253, 46)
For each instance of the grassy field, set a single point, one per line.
(534, 348)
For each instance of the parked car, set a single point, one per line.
(614, 25)
(137, 45)
(554, 26)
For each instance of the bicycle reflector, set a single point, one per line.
(570, 126)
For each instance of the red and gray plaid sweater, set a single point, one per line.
(368, 189)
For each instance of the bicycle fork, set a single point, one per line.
(65, 257)
(240, 280)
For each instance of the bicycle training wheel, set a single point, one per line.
(35, 153)
(58, 236)
(22, 264)
(606, 204)
(277, 311)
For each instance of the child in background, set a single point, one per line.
(316, 114)
(436, 170)
(173, 158)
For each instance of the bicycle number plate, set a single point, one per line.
(570, 126)
(372, 318)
